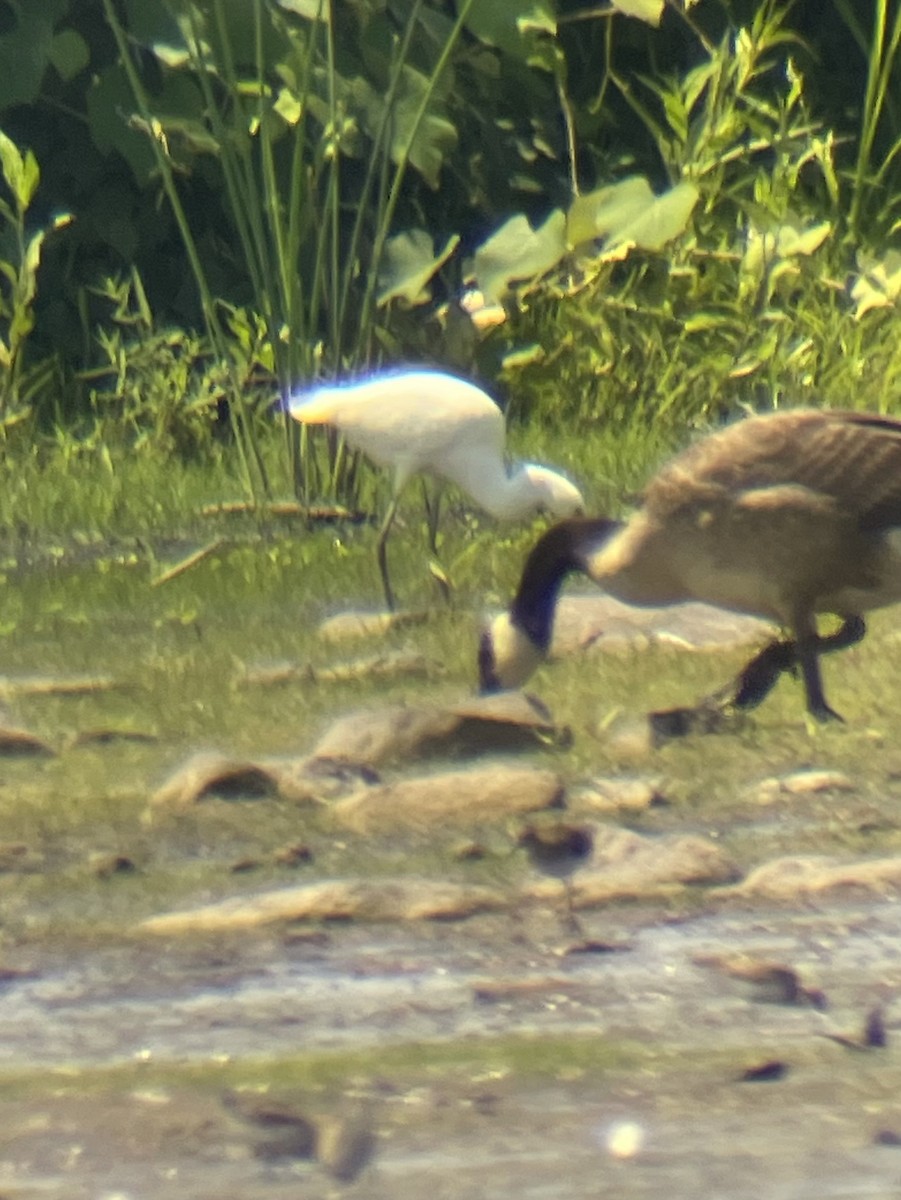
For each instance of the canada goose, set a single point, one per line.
(781, 516)
(418, 420)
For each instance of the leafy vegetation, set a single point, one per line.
(656, 212)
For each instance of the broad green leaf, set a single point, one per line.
(649, 11)
(435, 135)
(524, 356)
(178, 125)
(109, 104)
(665, 218)
(189, 135)
(150, 24)
(31, 177)
(516, 27)
(879, 284)
(311, 10)
(69, 54)
(363, 108)
(786, 240)
(517, 252)
(30, 264)
(288, 106)
(26, 48)
(409, 263)
(594, 215)
(13, 168)
(171, 56)
(803, 241)
(22, 321)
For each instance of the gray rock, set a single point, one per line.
(351, 626)
(455, 799)
(618, 795)
(799, 876)
(208, 774)
(602, 623)
(627, 865)
(488, 723)
(801, 783)
(333, 899)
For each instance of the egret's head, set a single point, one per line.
(507, 656)
(552, 492)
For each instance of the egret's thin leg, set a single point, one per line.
(433, 512)
(381, 548)
(432, 500)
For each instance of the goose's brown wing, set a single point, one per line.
(852, 458)
(856, 458)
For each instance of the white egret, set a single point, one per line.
(782, 516)
(417, 420)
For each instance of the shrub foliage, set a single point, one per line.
(651, 210)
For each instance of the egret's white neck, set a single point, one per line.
(485, 478)
(510, 495)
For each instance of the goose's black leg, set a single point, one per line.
(762, 673)
(851, 632)
(760, 676)
(810, 647)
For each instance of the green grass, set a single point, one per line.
(74, 603)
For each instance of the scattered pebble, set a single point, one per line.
(348, 626)
(603, 795)
(104, 865)
(625, 1139)
(295, 855)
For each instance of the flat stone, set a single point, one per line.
(628, 865)
(209, 774)
(317, 779)
(511, 707)
(466, 798)
(603, 623)
(618, 795)
(507, 721)
(802, 783)
(351, 626)
(329, 900)
(796, 877)
(60, 685)
(15, 742)
(346, 1144)
(388, 665)
(378, 735)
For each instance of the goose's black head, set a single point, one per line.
(517, 641)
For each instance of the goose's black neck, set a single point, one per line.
(562, 550)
